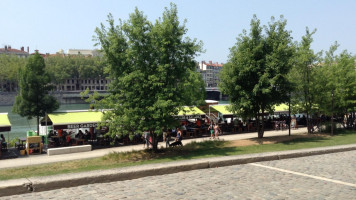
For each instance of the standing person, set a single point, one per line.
(146, 136)
(217, 130)
(166, 137)
(211, 129)
(198, 123)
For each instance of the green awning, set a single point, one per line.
(190, 112)
(223, 109)
(5, 124)
(77, 119)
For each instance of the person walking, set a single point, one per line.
(217, 130)
(211, 129)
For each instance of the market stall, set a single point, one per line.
(224, 117)
(68, 120)
(189, 113)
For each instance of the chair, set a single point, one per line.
(19, 146)
(4, 146)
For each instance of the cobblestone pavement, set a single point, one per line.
(329, 176)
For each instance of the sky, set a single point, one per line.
(69, 24)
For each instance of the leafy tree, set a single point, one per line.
(62, 67)
(33, 99)
(303, 77)
(9, 67)
(255, 77)
(151, 69)
(336, 83)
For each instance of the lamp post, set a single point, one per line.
(290, 118)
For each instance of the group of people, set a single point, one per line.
(214, 129)
(166, 138)
(67, 138)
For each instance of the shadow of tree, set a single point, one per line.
(305, 140)
(196, 149)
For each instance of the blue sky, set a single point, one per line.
(52, 25)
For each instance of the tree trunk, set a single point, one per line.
(260, 128)
(332, 113)
(38, 125)
(154, 141)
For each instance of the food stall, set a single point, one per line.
(189, 113)
(75, 119)
(226, 116)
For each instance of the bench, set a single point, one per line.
(66, 150)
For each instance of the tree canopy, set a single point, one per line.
(9, 67)
(303, 76)
(33, 99)
(152, 72)
(255, 77)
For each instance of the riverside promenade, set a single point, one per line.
(110, 181)
(44, 158)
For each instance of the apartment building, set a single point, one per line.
(210, 72)
(18, 52)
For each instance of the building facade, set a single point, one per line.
(77, 84)
(84, 52)
(210, 72)
(10, 51)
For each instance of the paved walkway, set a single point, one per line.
(42, 159)
(314, 177)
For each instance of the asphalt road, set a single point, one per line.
(328, 176)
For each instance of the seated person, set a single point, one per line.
(87, 135)
(3, 142)
(80, 135)
(178, 140)
(50, 134)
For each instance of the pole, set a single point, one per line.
(290, 118)
(46, 129)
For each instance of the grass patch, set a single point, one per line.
(192, 150)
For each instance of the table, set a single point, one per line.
(237, 128)
(57, 139)
(20, 144)
(78, 141)
(193, 131)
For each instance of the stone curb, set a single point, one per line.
(36, 184)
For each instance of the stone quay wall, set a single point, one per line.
(8, 98)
